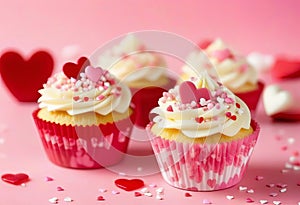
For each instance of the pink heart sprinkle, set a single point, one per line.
(48, 179)
(273, 194)
(59, 188)
(259, 178)
(222, 54)
(270, 185)
(206, 201)
(188, 92)
(249, 200)
(94, 73)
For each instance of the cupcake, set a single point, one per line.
(84, 119)
(143, 71)
(202, 135)
(234, 72)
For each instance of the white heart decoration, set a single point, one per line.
(276, 100)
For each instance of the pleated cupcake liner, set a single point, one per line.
(84, 147)
(203, 167)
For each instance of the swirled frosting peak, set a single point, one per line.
(95, 90)
(201, 107)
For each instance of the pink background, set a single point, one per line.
(270, 27)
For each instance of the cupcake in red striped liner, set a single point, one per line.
(202, 135)
(143, 71)
(233, 70)
(84, 118)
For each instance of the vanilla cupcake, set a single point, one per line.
(143, 71)
(84, 121)
(202, 135)
(234, 72)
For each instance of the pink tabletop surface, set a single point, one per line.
(267, 26)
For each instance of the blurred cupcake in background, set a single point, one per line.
(84, 117)
(202, 135)
(233, 70)
(143, 71)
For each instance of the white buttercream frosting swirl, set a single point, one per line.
(131, 62)
(233, 69)
(221, 113)
(85, 94)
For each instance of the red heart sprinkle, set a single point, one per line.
(129, 184)
(100, 198)
(137, 194)
(170, 108)
(199, 119)
(187, 194)
(71, 70)
(24, 78)
(15, 179)
(188, 92)
(249, 200)
(233, 117)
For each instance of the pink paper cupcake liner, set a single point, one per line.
(252, 98)
(203, 167)
(85, 147)
(145, 99)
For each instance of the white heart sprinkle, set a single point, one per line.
(277, 202)
(160, 190)
(229, 197)
(148, 194)
(263, 201)
(152, 185)
(283, 190)
(115, 192)
(273, 194)
(206, 201)
(158, 197)
(291, 140)
(68, 199)
(102, 190)
(250, 191)
(242, 188)
(296, 168)
(53, 200)
(145, 190)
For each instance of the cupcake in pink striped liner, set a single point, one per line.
(202, 135)
(84, 118)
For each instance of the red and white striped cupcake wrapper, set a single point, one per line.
(84, 147)
(203, 167)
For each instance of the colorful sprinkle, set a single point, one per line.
(276, 202)
(100, 198)
(263, 201)
(137, 194)
(229, 197)
(187, 194)
(242, 188)
(49, 179)
(148, 194)
(59, 188)
(250, 191)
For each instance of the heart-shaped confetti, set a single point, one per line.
(68, 199)
(250, 191)
(53, 200)
(24, 77)
(270, 185)
(149, 194)
(279, 185)
(59, 188)
(206, 201)
(100, 198)
(276, 202)
(188, 92)
(187, 194)
(94, 73)
(49, 179)
(102, 190)
(129, 184)
(137, 194)
(160, 190)
(211, 183)
(71, 70)
(263, 201)
(283, 190)
(114, 192)
(249, 200)
(15, 179)
(285, 68)
(158, 197)
(229, 197)
(273, 194)
(243, 188)
(259, 178)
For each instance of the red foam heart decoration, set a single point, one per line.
(188, 92)
(129, 184)
(286, 68)
(71, 70)
(15, 179)
(287, 116)
(24, 78)
(204, 44)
